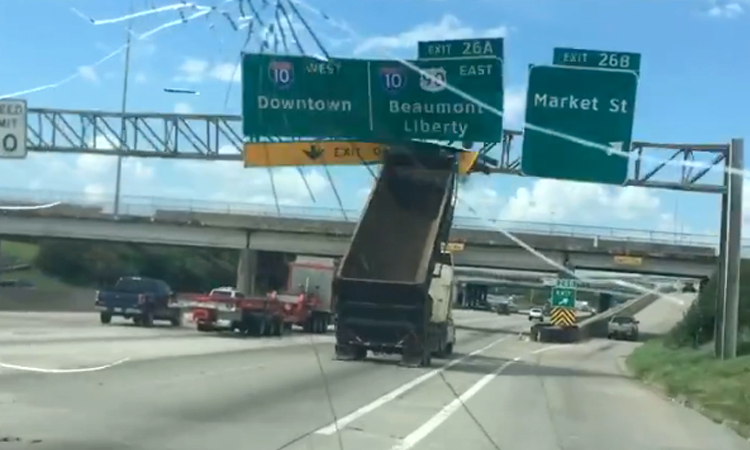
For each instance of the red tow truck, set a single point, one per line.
(305, 302)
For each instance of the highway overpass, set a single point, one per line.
(484, 248)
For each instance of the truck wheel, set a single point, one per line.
(317, 325)
(278, 328)
(261, 327)
(176, 321)
(105, 317)
(426, 359)
(360, 353)
(203, 327)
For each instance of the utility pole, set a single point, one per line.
(728, 286)
(734, 244)
(123, 129)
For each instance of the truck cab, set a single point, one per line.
(441, 293)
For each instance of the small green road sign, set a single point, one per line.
(461, 48)
(574, 115)
(597, 59)
(407, 104)
(564, 293)
(296, 96)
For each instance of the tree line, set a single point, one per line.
(99, 264)
(696, 329)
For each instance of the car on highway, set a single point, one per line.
(623, 327)
(536, 314)
(139, 298)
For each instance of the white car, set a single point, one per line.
(536, 314)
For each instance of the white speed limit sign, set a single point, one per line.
(12, 128)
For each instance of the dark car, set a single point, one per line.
(141, 299)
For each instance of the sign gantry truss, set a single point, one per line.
(220, 137)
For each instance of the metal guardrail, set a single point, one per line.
(147, 206)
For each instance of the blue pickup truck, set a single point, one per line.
(141, 299)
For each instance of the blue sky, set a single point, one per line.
(693, 87)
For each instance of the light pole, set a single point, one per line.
(123, 129)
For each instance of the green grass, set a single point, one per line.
(719, 389)
(26, 252)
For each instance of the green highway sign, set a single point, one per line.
(410, 105)
(564, 293)
(295, 96)
(597, 59)
(302, 96)
(596, 107)
(461, 48)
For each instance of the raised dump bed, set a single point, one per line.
(383, 283)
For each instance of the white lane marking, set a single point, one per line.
(377, 403)
(435, 421)
(81, 370)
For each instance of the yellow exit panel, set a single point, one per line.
(318, 153)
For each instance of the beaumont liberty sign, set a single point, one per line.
(299, 96)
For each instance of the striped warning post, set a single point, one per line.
(563, 317)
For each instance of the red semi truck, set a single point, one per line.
(306, 301)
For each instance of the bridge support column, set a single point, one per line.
(605, 302)
(247, 269)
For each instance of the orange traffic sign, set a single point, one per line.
(318, 153)
(332, 153)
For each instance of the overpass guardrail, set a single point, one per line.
(131, 205)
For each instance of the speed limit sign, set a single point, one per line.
(12, 128)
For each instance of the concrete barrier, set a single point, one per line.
(596, 326)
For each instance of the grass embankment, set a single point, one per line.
(682, 363)
(26, 253)
(718, 389)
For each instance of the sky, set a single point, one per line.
(692, 89)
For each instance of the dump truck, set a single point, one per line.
(393, 289)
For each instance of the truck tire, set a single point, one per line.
(147, 320)
(350, 352)
(203, 327)
(176, 321)
(105, 317)
(261, 329)
(278, 328)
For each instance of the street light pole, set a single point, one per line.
(123, 129)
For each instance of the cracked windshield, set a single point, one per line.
(373, 225)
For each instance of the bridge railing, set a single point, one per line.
(147, 206)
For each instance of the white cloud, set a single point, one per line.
(192, 70)
(514, 108)
(726, 11)
(183, 108)
(88, 73)
(95, 192)
(140, 78)
(571, 202)
(449, 27)
(226, 72)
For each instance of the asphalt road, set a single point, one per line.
(177, 389)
